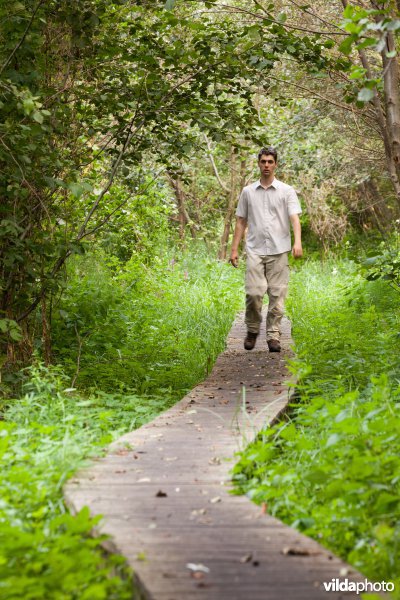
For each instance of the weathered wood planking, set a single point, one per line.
(164, 493)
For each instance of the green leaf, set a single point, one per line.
(346, 45)
(366, 43)
(28, 105)
(349, 12)
(76, 189)
(316, 476)
(15, 335)
(11, 327)
(353, 28)
(288, 433)
(38, 117)
(393, 25)
(333, 440)
(365, 95)
(383, 532)
(357, 73)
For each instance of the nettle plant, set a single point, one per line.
(386, 264)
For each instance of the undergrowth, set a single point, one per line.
(44, 551)
(145, 328)
(332, 468)
(133, 339)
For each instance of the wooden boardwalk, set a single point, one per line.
(164, 493)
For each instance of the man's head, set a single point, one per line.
(268, 151)
(267, 160)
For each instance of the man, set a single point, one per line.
(267, 207)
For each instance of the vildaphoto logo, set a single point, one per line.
(345, 585)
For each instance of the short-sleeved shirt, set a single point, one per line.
(267, 211)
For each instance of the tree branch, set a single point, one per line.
(285, 25)
(313, 93)
(131, 133)
(214, 166)
(23, 37)
(309, 12)
(117, 208)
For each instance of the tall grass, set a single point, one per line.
(147, 329)
(333, 469)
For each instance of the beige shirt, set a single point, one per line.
(267, 211)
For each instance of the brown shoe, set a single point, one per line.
(274, 345)
(250, 340)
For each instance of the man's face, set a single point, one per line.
(267, 165)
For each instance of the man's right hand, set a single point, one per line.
(234, 259)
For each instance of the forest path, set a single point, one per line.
(164, 493)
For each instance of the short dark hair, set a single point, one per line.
(269, 150)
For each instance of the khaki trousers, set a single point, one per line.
(266, 274)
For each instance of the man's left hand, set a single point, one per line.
(297, 251)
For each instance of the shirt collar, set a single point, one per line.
(274, 184)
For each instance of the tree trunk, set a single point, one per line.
(227, 226)
(392, 101)
(231, 203)
(46, 333)
(384, 128)
(391, 139)
(184, 218)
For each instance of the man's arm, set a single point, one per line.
(297, 249)
(241, 224)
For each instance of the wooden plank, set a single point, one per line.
(164, 493)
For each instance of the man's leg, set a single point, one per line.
(277, 274)
(255, 286)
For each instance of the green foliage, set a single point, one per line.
(87, 84)
(332, 468)
(142, 226)
(143, 327)
(10, 328)
(45, 551)
(386, 264)
(367, 29)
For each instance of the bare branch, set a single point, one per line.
(286, 25)
(214, 166)
(314, 94)
(309, 12)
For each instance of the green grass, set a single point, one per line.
(332, 469)
(147, 335)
